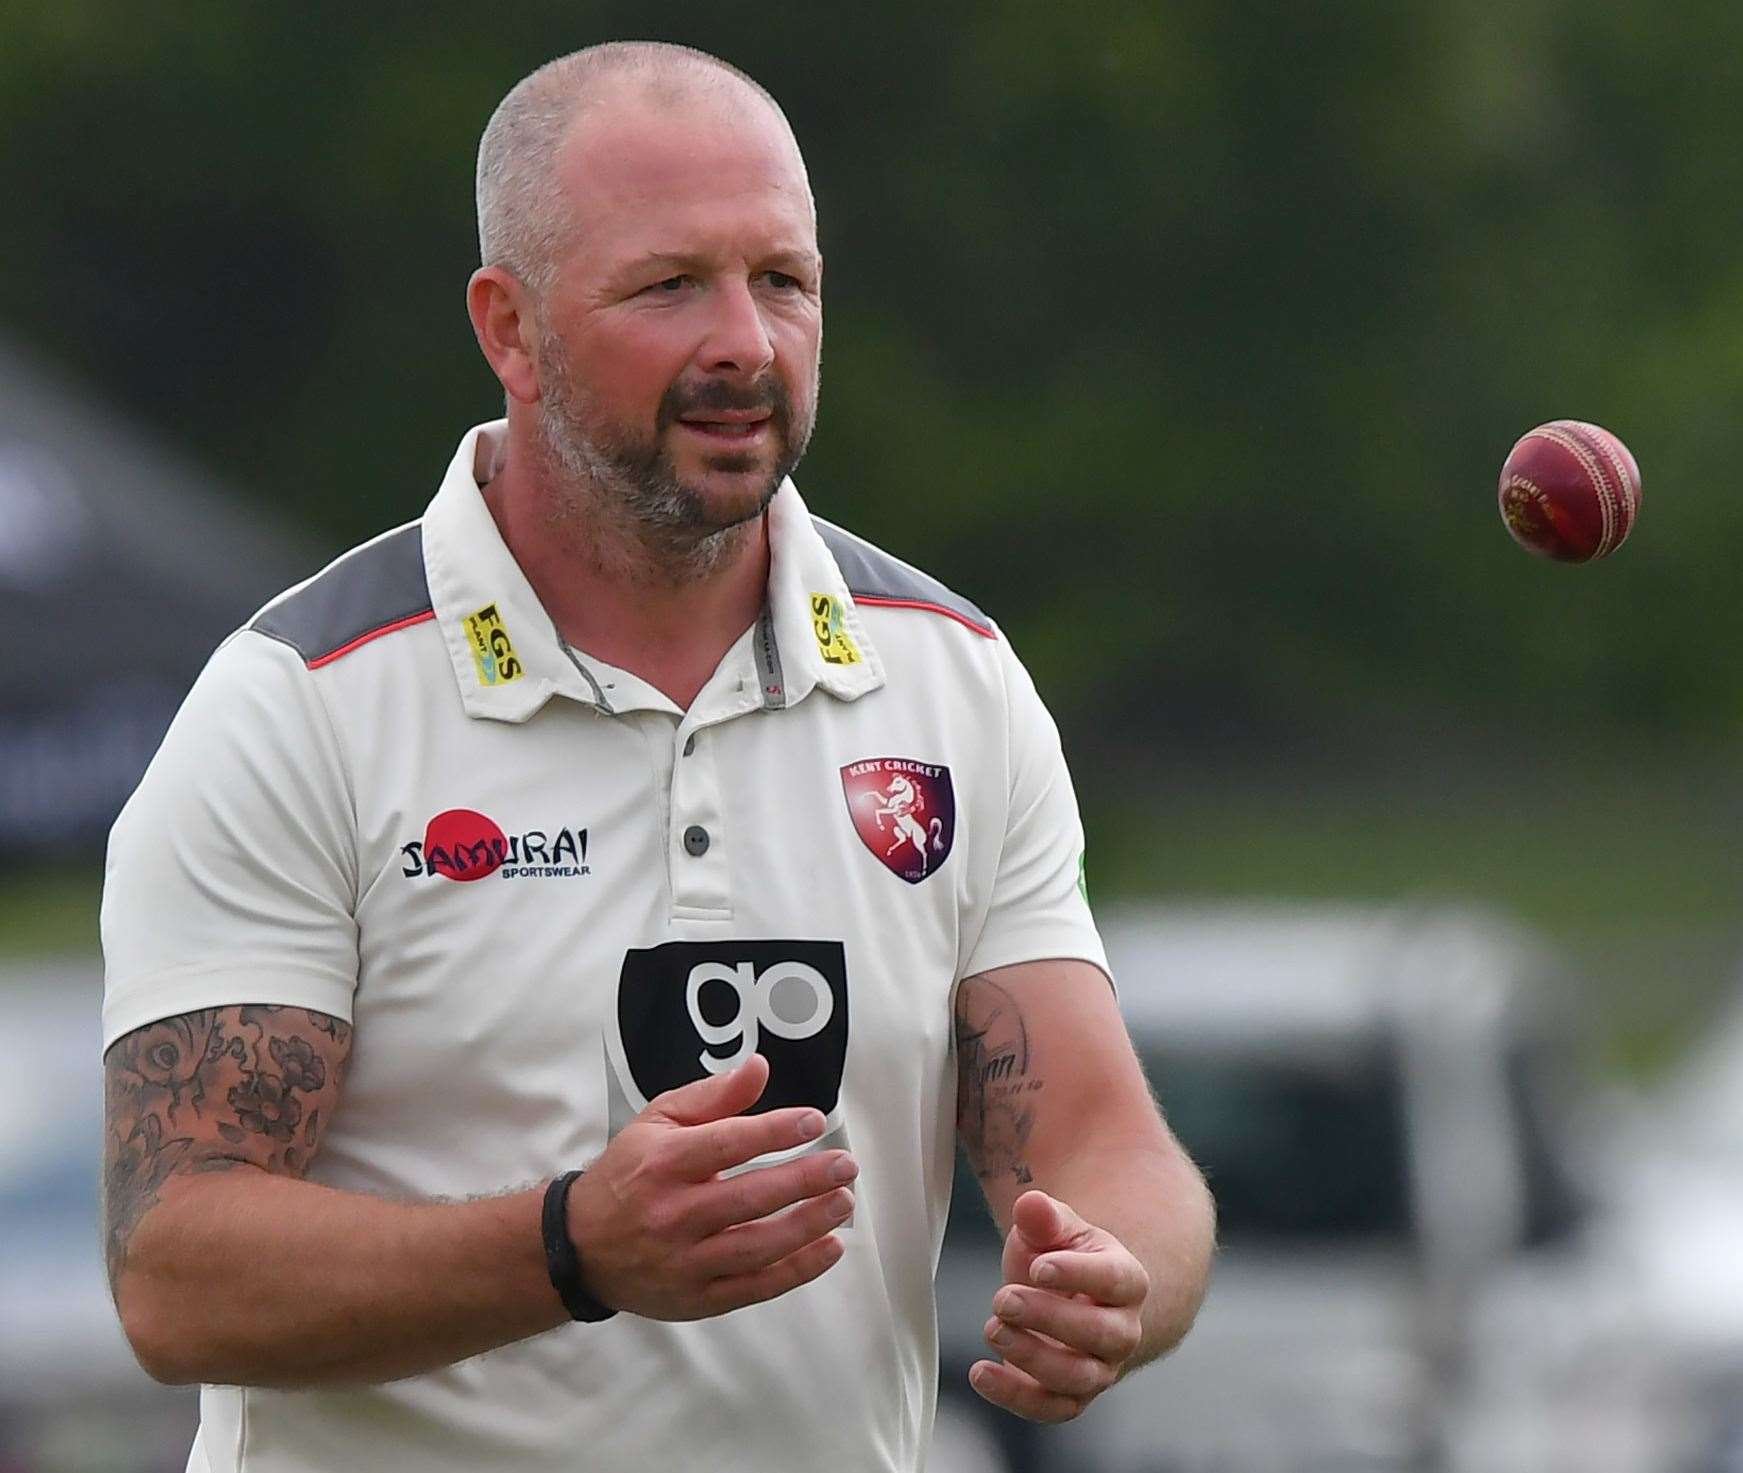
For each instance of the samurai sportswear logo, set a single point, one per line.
(463, 845)
(690, 1009)
(492, 649)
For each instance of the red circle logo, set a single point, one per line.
(464, 845)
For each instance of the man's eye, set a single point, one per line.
(780, 280)
(670, 284)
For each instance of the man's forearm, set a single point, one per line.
(1155, 1203)
(240, 1277)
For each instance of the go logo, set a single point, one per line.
(757, 1007)
(787, 1000)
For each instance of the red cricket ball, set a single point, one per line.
(1570, 491)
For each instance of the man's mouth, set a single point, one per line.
(725, 424)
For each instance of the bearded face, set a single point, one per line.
(659, 479)
(678, 332)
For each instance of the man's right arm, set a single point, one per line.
(228, 1266)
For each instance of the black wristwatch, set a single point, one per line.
(562, 1262)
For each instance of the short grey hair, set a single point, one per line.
(521, 218)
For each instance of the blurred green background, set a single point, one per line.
(1187, 340)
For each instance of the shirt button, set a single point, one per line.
(696, 841)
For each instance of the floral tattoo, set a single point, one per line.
(211, 1091)
(995, 1082)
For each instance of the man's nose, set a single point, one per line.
(738, 340)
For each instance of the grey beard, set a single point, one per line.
(640, 519)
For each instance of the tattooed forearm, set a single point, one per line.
(995, 1082)
(211, 1091)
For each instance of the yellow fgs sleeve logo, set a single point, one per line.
(492, 649)
(836, 644)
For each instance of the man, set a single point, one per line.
(548, 832)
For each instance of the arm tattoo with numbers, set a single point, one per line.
(995, 1082)
(211, 1091)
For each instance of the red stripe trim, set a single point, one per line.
(363, 639)
(983, 630)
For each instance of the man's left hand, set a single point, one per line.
(1067, 1320)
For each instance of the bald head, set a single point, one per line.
(523, 218)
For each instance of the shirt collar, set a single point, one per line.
(508, 659)
(810, 621)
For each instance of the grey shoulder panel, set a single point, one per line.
(875, 577)
(374, 590)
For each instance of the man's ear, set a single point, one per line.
(503, 321)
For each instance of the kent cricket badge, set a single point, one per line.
(903, 811)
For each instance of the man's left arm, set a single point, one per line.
(1109, 1228)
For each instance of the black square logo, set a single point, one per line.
(689, 1009)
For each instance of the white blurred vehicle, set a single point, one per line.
(1674, 1190)
(1410, 1277)
(71, 1394)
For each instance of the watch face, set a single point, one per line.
(690, 1009)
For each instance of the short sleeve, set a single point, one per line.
(231, 874)
(1038, 908)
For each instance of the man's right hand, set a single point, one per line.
(661, 1232)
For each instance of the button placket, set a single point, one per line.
(700, 878)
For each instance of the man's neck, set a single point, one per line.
(665, 609)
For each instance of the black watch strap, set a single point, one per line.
(562, 1262)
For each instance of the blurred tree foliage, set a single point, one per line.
(1188, 339)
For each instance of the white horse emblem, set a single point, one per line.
(901, 802)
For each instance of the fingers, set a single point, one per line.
(1108, 1274)
(808, 1263)
(675, 1231)
(1059, 1354)
(1017, 1391)
(681, 1251)
(1056, 1368)
(1045, 1222)
(716, 1097)
(752, 1246)
(1067, 1334)
(1109, 1335)
(701, 1152)
(1042, 1220)
(754, 1194)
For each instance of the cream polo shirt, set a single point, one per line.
(543, 894)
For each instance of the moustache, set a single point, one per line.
(769, 397)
